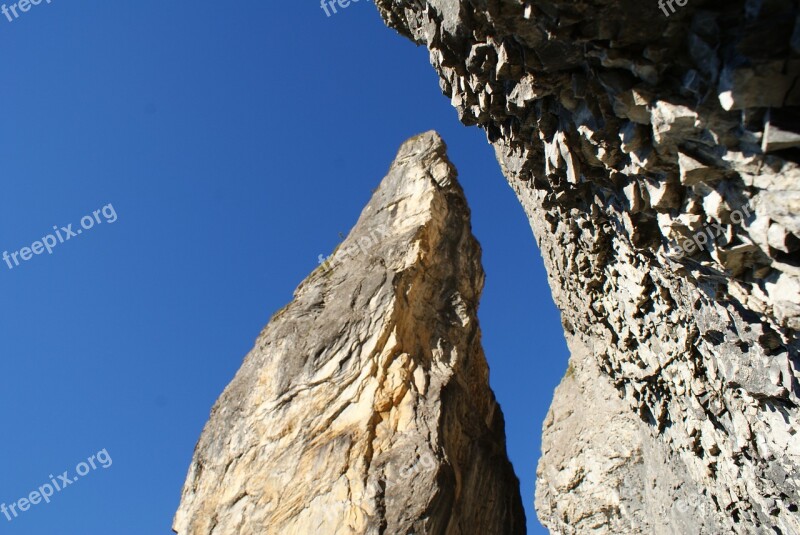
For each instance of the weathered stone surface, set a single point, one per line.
(664, 194)
(365, 407)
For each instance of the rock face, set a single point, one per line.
(655, 152)
(365, 407)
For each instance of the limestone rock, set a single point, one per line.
(656, 156)
(364, 407)
(781, 131)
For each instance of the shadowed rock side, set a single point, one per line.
(655, 154)
(365, 407)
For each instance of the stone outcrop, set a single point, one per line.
(655, 152)
(365, 407)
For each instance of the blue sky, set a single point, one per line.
(234, 142)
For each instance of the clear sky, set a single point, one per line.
(234, 142)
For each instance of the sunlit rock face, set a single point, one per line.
(365, 406)
(655, 152)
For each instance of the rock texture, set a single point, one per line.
(656, 155)
(365, 407)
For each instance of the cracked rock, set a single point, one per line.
(629, 136)
(365, 406)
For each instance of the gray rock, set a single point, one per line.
(781, 131)
(679, 412)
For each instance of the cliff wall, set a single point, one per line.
(654, 150)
